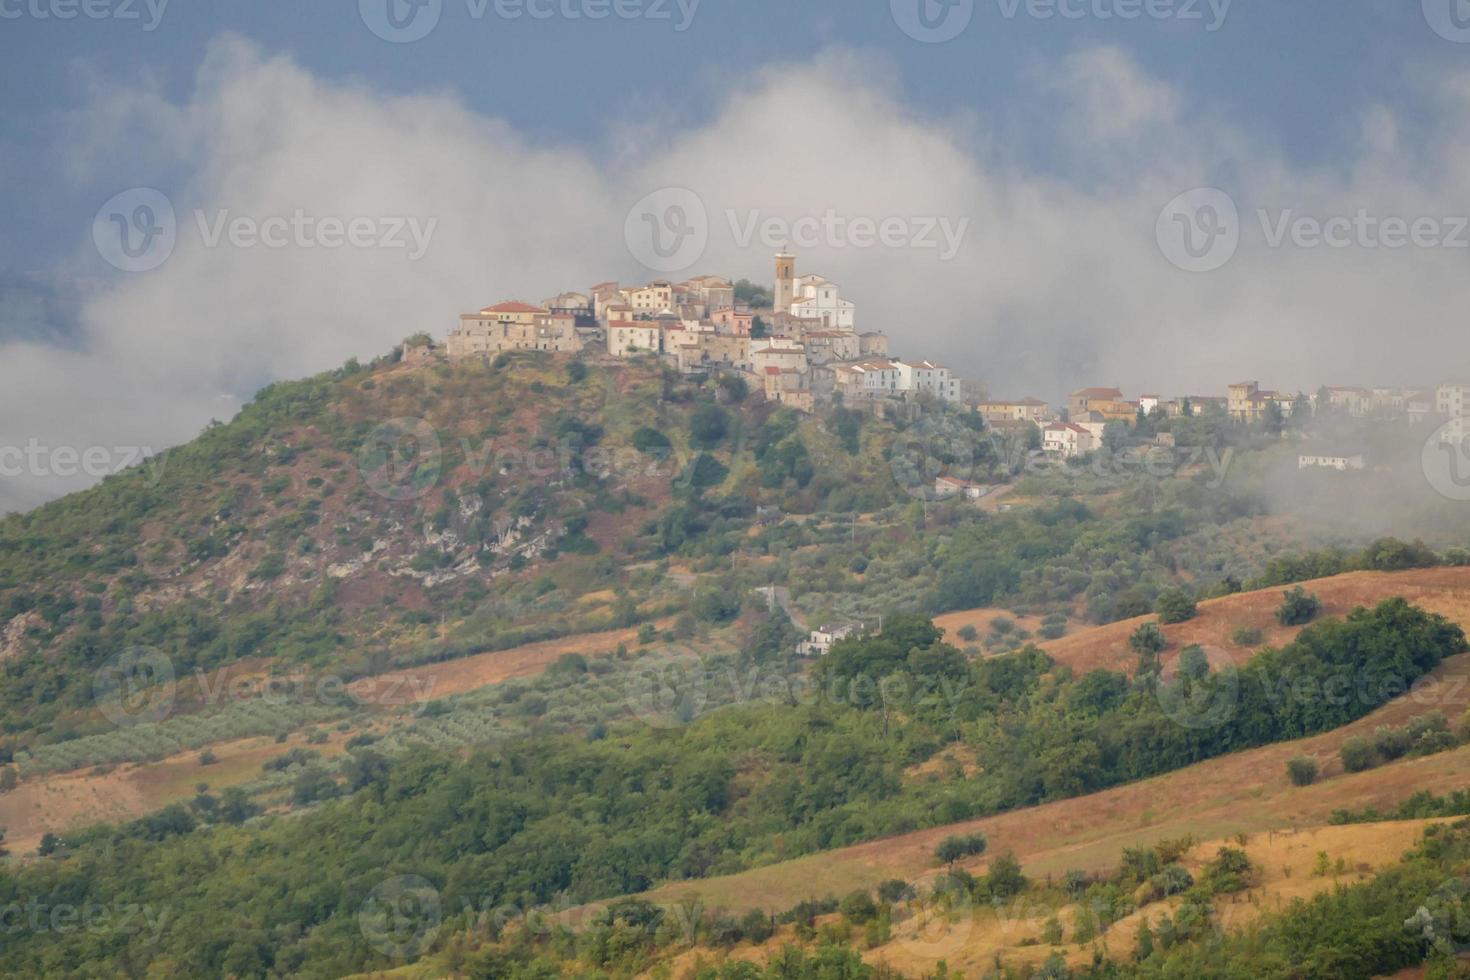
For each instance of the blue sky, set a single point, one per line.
(1062, 153)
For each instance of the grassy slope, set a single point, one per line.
(1245, 792)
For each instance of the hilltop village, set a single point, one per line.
(798, 344)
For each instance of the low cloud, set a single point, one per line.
(1058, 280)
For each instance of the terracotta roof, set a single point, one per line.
(1101, 393)
(514, 306)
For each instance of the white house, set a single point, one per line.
(949, 486)
(817, 298)
(1067, 440)
(823, 637)
(926, 376)
(1331, 462)
(866, 378)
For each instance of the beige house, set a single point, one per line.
(505, 327)
(1246, 402)
(874, 343)
(626, 338)
(1081, 402)
(1032, 410)
(823, 346)
(697, 353)
(787, 388)
(777, 353)
(656, 297)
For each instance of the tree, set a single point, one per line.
(576, 371)
(1005, 879)
(1145, 943)
(858, 907)
(1175, 606)
(894, 890)
(1051, 932)
(1148, 639)
(708, 425)
(1194, 665)
(50, 843)
(1302, 770)
(1298, 607)
(9, 779)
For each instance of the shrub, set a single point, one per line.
(1298, 608)
(1358, 755)
(1391, 743)
(1302, 770)
(969, 634)
(954, 847)
(1051, 933)
(208, 758)
(1148, 639)
(858, 907)
(1248, 636)
(651, 441)
(1175, 606)
(757, 926)
(1231, 869)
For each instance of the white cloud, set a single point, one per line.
(1059, 280)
